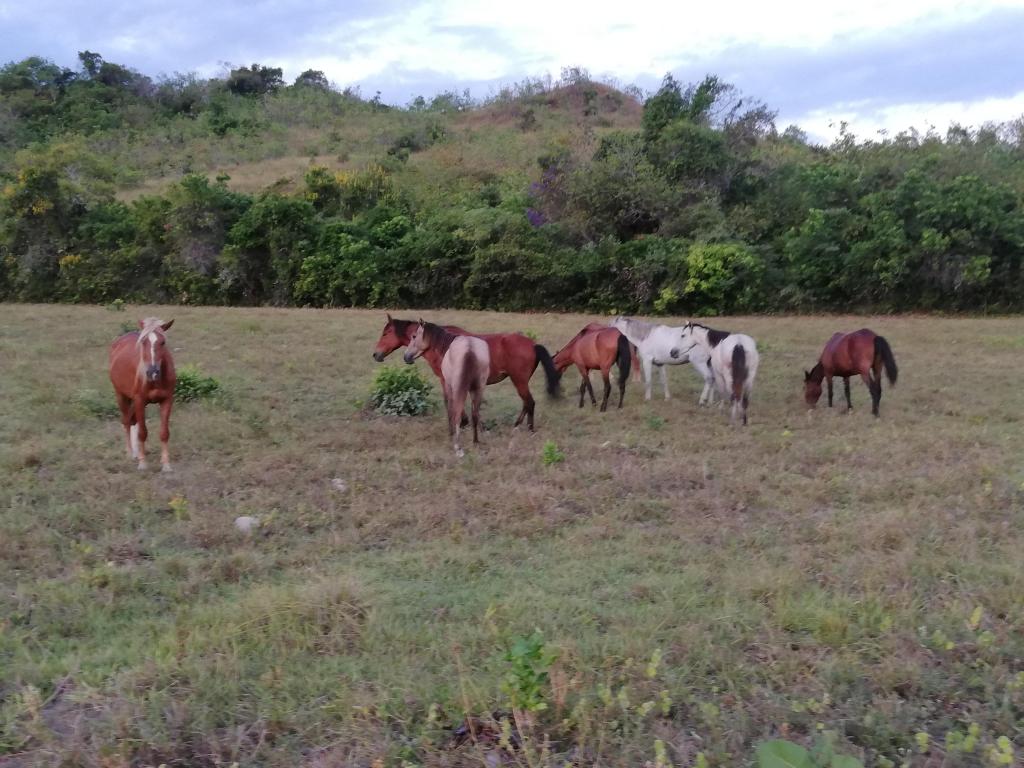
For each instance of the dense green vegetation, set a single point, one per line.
(567, 195)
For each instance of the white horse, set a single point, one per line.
(734, 361)
(661, 345)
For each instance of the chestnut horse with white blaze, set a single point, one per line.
(465, 366)
(512, 355)
(862, 352)
(142, 372)
(597, 347)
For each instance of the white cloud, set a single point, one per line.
(868, 122)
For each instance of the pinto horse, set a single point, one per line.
(862, 352)
(465, 367)
(142, 372)
(512, 355)
(597, 347)
(734, 360)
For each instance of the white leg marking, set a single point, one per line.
(134, 435)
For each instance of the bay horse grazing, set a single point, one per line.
(465, 366)
(513, 356)
(862, 352)
(634, 358)
(597, 348)
(734, 362)
(661, 345)
(142, 372)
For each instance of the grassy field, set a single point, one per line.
(826, 577)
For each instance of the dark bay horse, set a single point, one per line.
(512, 355)
(597, 347)
(142, 372)
(862, 352)
(465, 367)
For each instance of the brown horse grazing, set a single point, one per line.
(597, 348)
(142, 372)
(633, 358)
(847, 354)
(513, 356)
(465, 366)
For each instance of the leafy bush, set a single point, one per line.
(192, 385)
(551, 454)
(400, 392)
(526, 680)
(100, 405)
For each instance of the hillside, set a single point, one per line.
(560, 195)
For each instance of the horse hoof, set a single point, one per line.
(460, 453)
(142, 466)
(165, 468)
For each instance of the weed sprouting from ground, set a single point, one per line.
(400, 392)
(551, 454)
(193, 385)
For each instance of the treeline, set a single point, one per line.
(705, 207)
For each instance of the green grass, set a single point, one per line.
(823, 569)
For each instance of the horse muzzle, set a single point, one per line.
(152, 373)
(409, 358)
(378, 356)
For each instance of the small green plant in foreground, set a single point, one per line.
(525, 682)
(400, 392)
(192, 385)
(552, 454)
(780, 753)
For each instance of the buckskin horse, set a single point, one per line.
(142, 372)
(862, 352)
(512, 355)
(465, 366)
(597, 347)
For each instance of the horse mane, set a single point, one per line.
(149, 325)
(637, 328)
(438, 337)
(714, 337)
(817, 373)
(401, 326)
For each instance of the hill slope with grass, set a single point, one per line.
(568, 194)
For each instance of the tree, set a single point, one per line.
(312, 78)
(255, 80)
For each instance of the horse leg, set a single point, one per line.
(607, 388)
(590, 387)
(478, 396)
(125, 405)
(523, 388)
(829, 379)
(165, 434)
(875, 388)
(648, 365)
(583, 390)
(622, 392)
(455, 419)
(846, 391)
(141, 432)
(635, 362)
(746, 402)
(664, 382)
(448, 405)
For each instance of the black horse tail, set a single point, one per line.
(625, 359)
(739, 370)
(884, 351)
(550, 372)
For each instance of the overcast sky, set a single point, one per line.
(878, 64)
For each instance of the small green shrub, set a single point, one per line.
(192, 385)
(400, 392)
(525, 681)
(552, 454)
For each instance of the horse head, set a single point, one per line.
(417, 344)
(152, 343)
(391, 338)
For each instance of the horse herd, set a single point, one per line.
(142, 368)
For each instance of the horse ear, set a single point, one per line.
(388, 316)
(807, 375)
(166, 326)
(142, 324)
